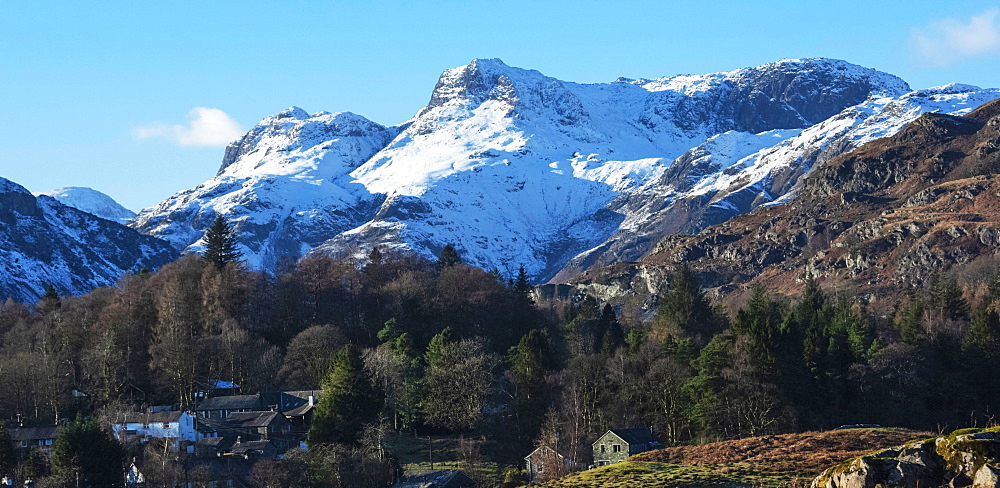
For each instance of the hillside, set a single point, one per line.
(516, 168)
(43, 241)
(768, 461)
(891, 215)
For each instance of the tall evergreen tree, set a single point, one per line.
(349, 401)
(448, 257)
(220, 244)
(684, 309)
(50, 300)
(7, 455)
(84, 455)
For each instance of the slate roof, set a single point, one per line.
(33, 433)
(249, 446)
(635, 436)
(143, 417)
(296, 403)
(250, 419)
(231, 402)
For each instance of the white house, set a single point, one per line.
(176, 426)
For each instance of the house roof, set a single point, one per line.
(296, 403)
(230, 402)
(143, 417)
(249, 446)
(33, 433)
(542, 449)
(250, 419)
(634, 436)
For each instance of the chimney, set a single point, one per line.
(239, 439)
(312, 400)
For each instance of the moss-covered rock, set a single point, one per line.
(965, 458)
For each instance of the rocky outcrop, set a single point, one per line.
(44, 242)
(881, 219)
(964, 458)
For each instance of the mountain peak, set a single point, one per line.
(91, 201)
(292, 112)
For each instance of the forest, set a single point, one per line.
(405, 346)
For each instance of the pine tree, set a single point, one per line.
(684, 309)
(50, 300)
(84, 455)
(8, 457)
(220, 244)
(349, 401)
(448, 257)
(521, 286)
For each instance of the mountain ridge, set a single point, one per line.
(511, 166)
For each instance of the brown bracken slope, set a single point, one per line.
(875, 222)
(809, 452)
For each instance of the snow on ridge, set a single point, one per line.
(91, 201)
(509, 164)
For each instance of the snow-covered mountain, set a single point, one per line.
(91, 201)
(44, 242)
(286, 184)
(517, 168)
(735, 172)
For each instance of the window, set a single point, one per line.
(602, 448)
(166, 425)
(48, 442)
(617, 448)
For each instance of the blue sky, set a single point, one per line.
(137, 99)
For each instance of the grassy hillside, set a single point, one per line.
(789, 460)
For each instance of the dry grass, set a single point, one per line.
(785, 461)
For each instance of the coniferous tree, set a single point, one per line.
(8, 457)
(684, 309)
(349, 401)
(50, 300)
(448, 257)
(220, 244)
(521, 286)
(84, 455)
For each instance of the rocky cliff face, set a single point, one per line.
(964, 458)
(513, 167)
(887, 216)
(285, 187)
(45, 242)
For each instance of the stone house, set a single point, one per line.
(545, 463)
(617, 444)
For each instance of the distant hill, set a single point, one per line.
(91, 201)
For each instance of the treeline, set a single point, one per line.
(399, 343)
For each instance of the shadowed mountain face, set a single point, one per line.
(516, 168)
(888, 216)
(45, 242)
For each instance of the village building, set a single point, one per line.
(133, 477)
(617, 444)
(296, 406)
(545, 463)
(40, 438)
(221, 406)
(138, 427)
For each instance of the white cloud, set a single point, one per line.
(950, 40)
(206, 127)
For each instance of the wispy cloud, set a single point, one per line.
(205, 127)
(948, 40)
